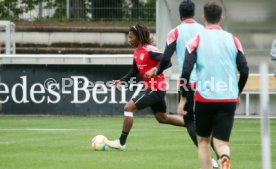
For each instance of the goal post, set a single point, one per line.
(265, 129)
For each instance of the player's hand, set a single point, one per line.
(117, 83)
(181, 104)
(180, 111)
(151, 72)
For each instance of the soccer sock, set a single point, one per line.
(225, 155)
(123, 138)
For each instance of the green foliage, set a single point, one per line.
(12, 9)
(149, 10)
(9, 9)
(60, 9)
(95, 10)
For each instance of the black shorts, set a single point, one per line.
(189, 106)
(214, 118)
(153, 99)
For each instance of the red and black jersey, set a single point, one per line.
(144, 59)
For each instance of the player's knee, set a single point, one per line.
(203, 140)
(129, 107)
(161, 118)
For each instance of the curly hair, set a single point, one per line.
(142, 32)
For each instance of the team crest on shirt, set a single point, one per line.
(142, 56)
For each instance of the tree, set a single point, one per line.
(12, 9)
(135, 9)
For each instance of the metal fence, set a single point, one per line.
(89, 10)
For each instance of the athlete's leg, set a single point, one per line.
(189, 117)
(129, 109)
(142, 100)
(204, 113)
(223, 123)
(166, 118)
(222, 147)
(190, 126)
(223, 150)
(133, 105)
(204, 155)
(159, 111)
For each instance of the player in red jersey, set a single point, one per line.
(145, 57)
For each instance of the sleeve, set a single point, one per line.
(190, 60)
(193, 43)
(243, 70)
(166, 59)
(169, 50)
(155, 55)
(132, 72)
(238, 44)
(158, 57)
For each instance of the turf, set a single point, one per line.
(63, 142)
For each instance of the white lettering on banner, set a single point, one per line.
(41, 90)
(20, 86)
(82, 90)
(138, 89)
(54, 93)
(50, 92)
(112, 94)
(65, 85)
(77, 89)
(5, 91)
(102, 90)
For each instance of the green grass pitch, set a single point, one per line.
(63, 142)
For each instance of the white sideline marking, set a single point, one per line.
(92, 129)
(37, 129)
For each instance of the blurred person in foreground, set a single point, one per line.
(217, 55)
(177, 40)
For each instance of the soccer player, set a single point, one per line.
(177, 40)
(217, 54)
(145, 57)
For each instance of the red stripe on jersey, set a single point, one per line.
(172, 36)
(151, 48)
(238, 44)
(199, 98)
(193, 43)
(189, 21)
(213, 27)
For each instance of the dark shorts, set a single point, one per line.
(189, 106)
(153, 99)
(214, 118)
